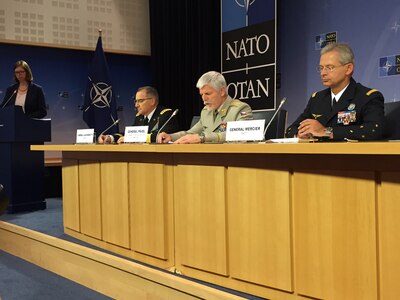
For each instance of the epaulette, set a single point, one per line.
(313, 95)
(371, 91)
(164, 110)
(236, 102)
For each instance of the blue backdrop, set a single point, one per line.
(63, 75)
(372, 28)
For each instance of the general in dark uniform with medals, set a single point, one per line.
(149, 113)
(346, 109)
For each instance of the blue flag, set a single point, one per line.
(99, 109)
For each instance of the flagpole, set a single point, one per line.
(100, 32)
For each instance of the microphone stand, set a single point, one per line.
(9, 98)
(113, 124)
(162, 127)
(273, 116)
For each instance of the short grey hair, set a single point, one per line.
(212, 78)
(345, 53)
(150, 92)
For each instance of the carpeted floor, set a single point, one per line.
(21, 280)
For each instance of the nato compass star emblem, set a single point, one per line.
(396, 27)
(100, 94)
(245, 3)
(387, 66)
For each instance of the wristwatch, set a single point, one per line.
(328, 131)
(202, 138)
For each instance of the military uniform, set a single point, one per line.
(358, 115)
(213, 123)
(160, 116)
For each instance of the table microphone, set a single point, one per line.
(273, 116)
(8, 100)
(113, 124)
(162, 127)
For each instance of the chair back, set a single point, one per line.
(195, 119)
(3, 200)
(278, 125)
(391, 130)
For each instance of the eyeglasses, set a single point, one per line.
(140, 101)
(328, 68)
(19, 72)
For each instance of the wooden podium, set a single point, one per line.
(22, 171)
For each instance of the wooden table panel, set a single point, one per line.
(200, 218)
(90, 198)
(260, 226)
(115, 203)
(334, 234)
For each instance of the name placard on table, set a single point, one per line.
(85, 136)
(135, 134)
(251, 130)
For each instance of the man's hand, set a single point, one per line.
(163, 138)
(189, 139)
(309, 128)
(104, 139)
(121, 140)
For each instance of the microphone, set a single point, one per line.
(274, 115)
(8, 100)
(87, 108)
(113, 124)
(162, 127)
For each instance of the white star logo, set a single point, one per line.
(246, 4)
(320, 42)
(100, 94)
(396, 26)
(387, 66)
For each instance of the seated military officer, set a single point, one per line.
(149, 113)
(346, 109)
(219, 108)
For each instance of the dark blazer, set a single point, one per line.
(160, 116)
(367, 103)
(35, 105)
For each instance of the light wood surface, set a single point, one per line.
(110, 275)
(280, 221)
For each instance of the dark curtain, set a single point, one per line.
(185, 43)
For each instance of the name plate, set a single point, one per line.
(135, 134)
(251, 130)
(85, 136)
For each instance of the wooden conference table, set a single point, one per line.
(281, 221)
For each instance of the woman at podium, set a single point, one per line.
(25, 93)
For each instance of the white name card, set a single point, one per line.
(251, 130)
(85, 136)
(135, 134)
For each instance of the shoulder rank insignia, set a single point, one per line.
(164, 110)
(235, 102)
(315, 116)
(371, 91)
(313, 95)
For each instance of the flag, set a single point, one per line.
(99, 108)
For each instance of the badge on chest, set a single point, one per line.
(346, 117)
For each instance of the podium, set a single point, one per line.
(22, 170)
